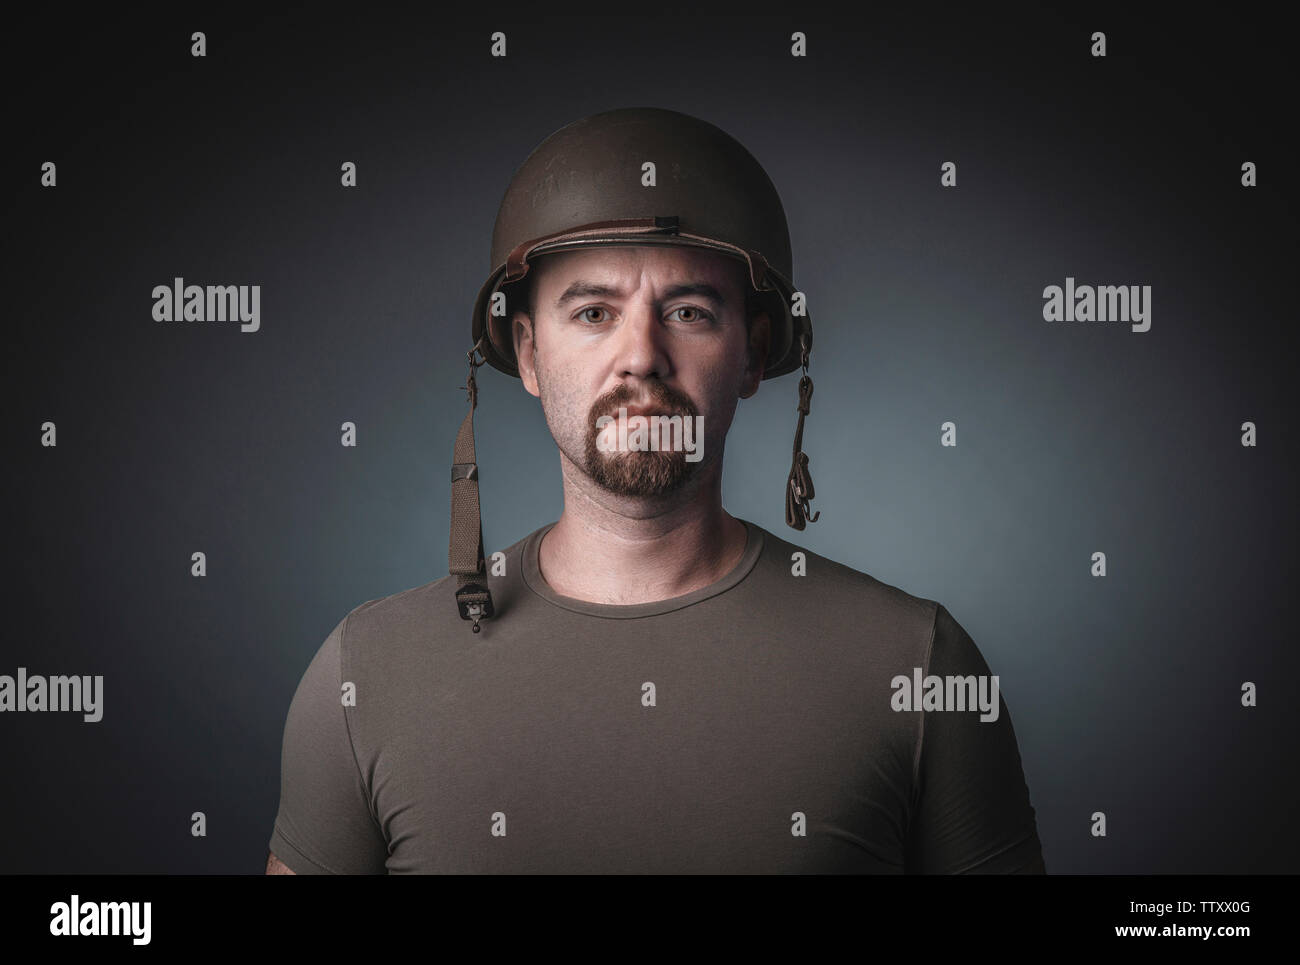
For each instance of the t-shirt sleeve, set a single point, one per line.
(972, 813)
(325, 824)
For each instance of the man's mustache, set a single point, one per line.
(661, 397)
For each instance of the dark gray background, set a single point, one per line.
(926, 304)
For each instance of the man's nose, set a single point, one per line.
(642, 341)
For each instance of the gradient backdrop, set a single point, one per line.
(926, 305)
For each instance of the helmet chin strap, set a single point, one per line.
(465, 556)
(799, 488)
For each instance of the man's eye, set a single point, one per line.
(694, 313)
(583, 314)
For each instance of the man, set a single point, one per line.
(650, 684)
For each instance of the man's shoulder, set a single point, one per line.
(420, 611)
(822, 584)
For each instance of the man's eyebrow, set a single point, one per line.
(587, 289)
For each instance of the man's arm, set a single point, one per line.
(972, 813)
(274, 866)
(325, 823)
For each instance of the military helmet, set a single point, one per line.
(590, 183)
(633, 176)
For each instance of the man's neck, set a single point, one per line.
(602, 557)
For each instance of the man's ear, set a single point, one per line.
(521, 327)
(760, 338)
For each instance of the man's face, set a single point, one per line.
(659, 330)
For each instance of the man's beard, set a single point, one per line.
(638, 472)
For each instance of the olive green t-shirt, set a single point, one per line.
(749, 726)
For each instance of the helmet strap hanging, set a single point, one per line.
(799, 489)
(465, 556)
